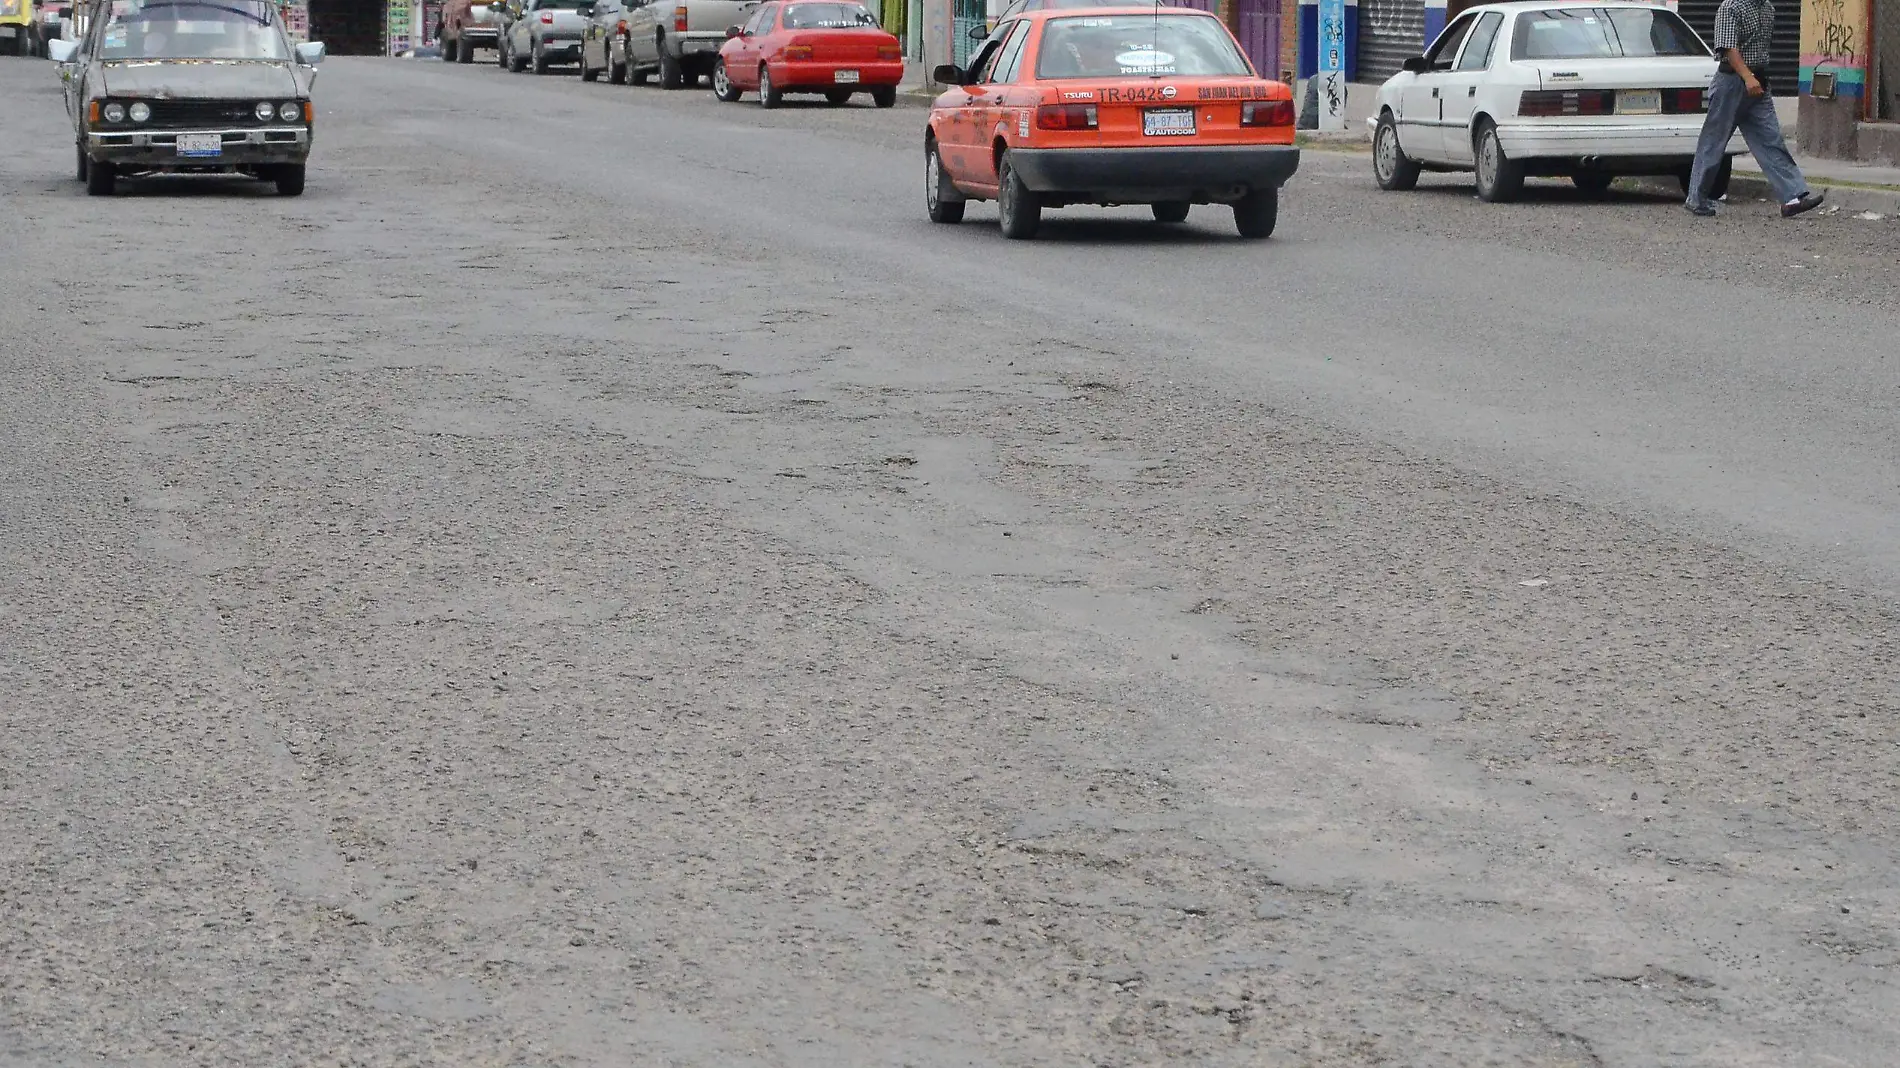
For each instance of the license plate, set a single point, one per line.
(845, 77)
(200, 146)
(1639, 101)
(1168, 122)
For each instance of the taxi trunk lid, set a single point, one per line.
(1156, 109)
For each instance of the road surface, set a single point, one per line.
(600, 580)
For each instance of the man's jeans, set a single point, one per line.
(1730, 107)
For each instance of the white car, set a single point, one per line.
(1588, 91)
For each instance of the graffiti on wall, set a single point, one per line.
(1833, 38)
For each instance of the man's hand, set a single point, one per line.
(1752, 85)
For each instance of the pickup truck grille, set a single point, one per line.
(203, 112)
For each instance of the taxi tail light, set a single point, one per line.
(679, 19)
(798, 52)
(547, 18)
(1066, 117)
(1266, 113)
(1547, 103)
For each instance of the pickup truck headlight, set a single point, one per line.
(114, 112)
(265, 110)
(290, 112)
(140, 112)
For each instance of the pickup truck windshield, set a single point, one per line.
(193, 29)
(1137, 46)
(1603, 33)
(827, 17)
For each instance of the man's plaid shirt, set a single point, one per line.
(1746, 25)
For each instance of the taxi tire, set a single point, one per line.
(724, 90)
(464, 51)
(1257, 213)
(1170, 211)
(1506, 180)
(100, 179)
(1018, 207)
(1398, 173)
(942, 203)
(671, 76)
(769, 96)
(289, 179)
(884, 96)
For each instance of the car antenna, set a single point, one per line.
(1154, 44)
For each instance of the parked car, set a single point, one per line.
(1152, 105)
(604, 42)
(831, 47)
(541, 33)
(466, 26)
(144, 99)
(1588, 92)
(680, 39)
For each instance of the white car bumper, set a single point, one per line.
(1522, 140)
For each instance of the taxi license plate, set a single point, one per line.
(846, 77)
(1639, 101)
(1168, 122)
(199, 146)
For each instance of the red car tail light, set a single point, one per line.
(797, 51)
(1552, 102)
(547, 18)
(890, 52)
(679, 19)
(622, 27)
(1684, 102)
(1066, 117)
(1266, 113)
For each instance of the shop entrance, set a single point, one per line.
(348, 27)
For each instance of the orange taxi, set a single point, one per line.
(1113, 105)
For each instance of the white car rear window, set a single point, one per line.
(1603, 33)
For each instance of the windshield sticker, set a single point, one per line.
(1146, 61)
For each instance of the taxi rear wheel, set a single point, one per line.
(1018, 207)
(1256, 214)
(769, 96)
(1170, 211)
(941, 200)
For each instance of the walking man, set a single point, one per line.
(1738, 98)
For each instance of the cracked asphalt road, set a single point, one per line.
(600, 581)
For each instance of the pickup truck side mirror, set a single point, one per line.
(978, 32)
(947, 74)
(1417, 65)
(733, 31)
(311, 53)
(62, 51)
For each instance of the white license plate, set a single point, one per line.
(1639, 101)
(845, 77)
(1168, 122)
(199, 146)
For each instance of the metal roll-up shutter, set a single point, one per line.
(1390, 32)
(1784, 49)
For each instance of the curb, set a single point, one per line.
(1841, 196)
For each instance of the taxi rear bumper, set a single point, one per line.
(1214, 171)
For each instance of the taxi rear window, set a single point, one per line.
(1138, 46)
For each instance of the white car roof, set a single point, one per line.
(1546, 5)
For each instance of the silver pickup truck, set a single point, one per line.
(539, 33)
(679, 38)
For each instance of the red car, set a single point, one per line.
(831, 47)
